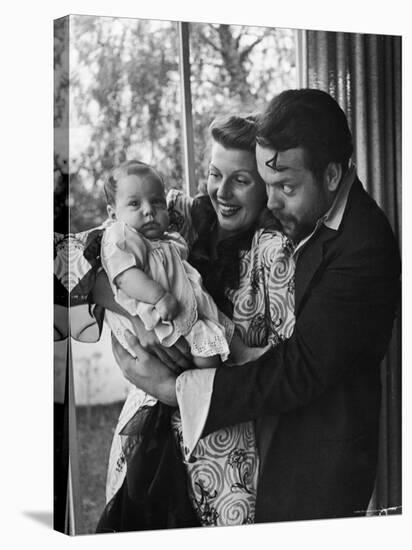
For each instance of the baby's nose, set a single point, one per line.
(147, 208)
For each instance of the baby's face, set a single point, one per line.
(141, 203)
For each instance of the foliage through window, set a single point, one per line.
(125, 96)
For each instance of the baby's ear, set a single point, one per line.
(111, 212)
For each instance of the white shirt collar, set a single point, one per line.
(333, 217)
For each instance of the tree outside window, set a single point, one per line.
(125, 95)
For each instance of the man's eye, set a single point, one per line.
(287, 189)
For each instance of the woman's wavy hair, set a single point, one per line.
(310, 119)
(235, 131)
(240, 132)
(130, 167)
(223, 271)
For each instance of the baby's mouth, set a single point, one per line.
(150, 225)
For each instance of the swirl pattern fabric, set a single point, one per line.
(223, 470)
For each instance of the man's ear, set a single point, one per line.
(333, 175)
(111, 212)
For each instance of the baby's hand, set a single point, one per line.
(167, 307)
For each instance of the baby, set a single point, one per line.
(147, 269)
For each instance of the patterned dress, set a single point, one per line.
(224, 466)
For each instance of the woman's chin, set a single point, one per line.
(231, 224)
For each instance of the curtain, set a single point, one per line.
(363, 73)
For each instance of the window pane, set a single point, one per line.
(235, 69)
(125, 103)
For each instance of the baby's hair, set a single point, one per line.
(128, 168)
(235, 132)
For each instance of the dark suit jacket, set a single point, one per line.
(325, 380)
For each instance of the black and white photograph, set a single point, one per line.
(207, 205)
(227, 274)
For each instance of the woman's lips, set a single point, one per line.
(228, 210)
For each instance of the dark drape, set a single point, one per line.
(363, 73)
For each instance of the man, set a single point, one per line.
(324, 382)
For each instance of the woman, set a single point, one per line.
(247, 267)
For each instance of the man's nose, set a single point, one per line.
(275, 202)
(225, 189)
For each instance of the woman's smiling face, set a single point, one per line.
(237, 192)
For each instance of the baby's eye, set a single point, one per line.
(159, 202)
(134, 204)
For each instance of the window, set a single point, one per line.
(148, 90)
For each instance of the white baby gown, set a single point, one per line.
(164, 261)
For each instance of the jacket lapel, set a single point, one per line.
(309, 261)
(311, 256)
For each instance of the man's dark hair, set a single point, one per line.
(310, 119)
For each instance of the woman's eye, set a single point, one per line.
(242, 181)
(213, 174)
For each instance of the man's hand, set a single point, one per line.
(146, 372)
(177, 357)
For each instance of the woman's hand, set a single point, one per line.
(146, 372)
(177, 357)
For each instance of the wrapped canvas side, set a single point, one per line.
(65, 453)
